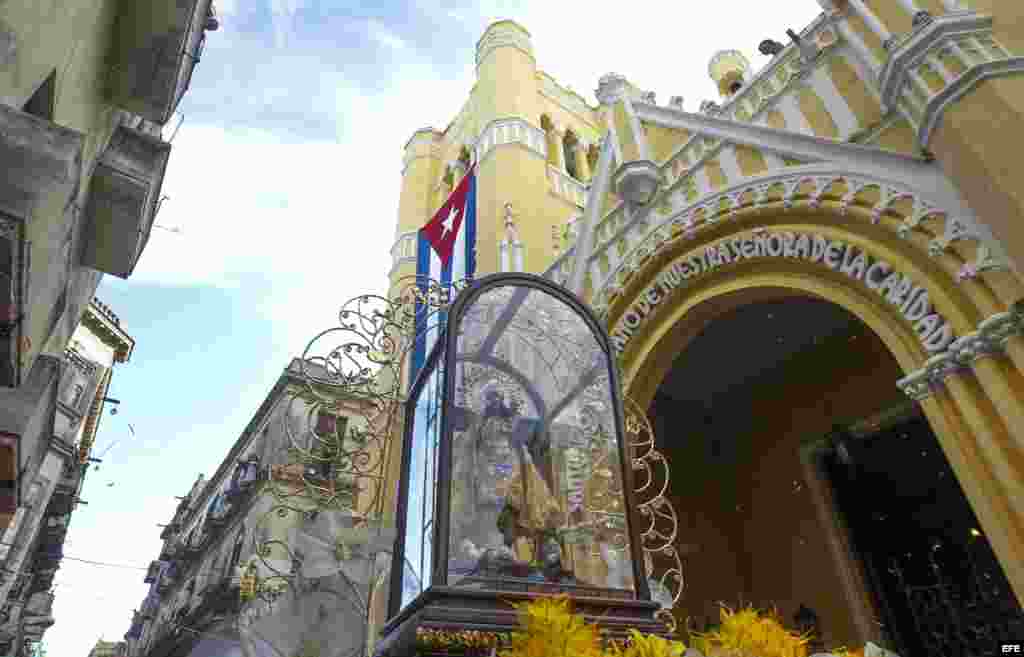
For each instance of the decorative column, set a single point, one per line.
(511, 248)
(860, 49)
(582, 165)
(871, 20)
(986, 397)
(638, 178)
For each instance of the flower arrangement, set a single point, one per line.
(462, 642)
(551, 629)
(751, 633)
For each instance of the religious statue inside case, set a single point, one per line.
(536, 491)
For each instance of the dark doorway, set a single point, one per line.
(938, 586)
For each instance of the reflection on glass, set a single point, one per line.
(419, 512)
(536, 492)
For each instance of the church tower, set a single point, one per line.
(534, 143)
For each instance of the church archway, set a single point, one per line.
(974, 429)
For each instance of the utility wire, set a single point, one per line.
(102, 563)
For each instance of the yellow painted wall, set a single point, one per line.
(663, 142)
(1008, 26)
(893, 16)
(813, 109)
(864, 105)
(872, 41)
(898, 137)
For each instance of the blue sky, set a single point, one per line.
(283, 182)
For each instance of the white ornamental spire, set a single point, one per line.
(511, 247)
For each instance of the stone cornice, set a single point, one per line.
(570, 101)
(508, 131)
(423, 135)
(988, 341)
(908, 53)
(505, 33)
(611, 88)
(102, 322)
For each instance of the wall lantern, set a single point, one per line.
(515, 481)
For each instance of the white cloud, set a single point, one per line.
(385, 37)
(226, 7)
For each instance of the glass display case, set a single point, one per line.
(514, 474)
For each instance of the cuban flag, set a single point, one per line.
(445, 252)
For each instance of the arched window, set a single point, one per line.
(550, 139)
(593, 152)
(569, 145)
(76, 395)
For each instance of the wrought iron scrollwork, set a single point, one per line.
(660, 530)
(358, 370)
(356, 373)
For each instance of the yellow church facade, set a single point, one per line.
(813, 285)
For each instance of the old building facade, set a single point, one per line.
(253, 502)
(812, 284)
(85, 89)
(32, 543)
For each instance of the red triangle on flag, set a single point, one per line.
(443, 229)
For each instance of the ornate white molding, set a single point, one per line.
(611, 88)
(423, 137)
(987, 342)
(505, 34)
(510, 131)
(565, 186)
(403, 251)
(568, 100)
(643, 235)
(965, 37)
(912, 50)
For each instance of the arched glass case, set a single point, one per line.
(515, 476)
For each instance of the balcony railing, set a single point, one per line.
(157, 46)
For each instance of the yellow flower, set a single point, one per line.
(748, 632)
(550, 629)
(648, 645)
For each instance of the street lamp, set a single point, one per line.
(514, 480)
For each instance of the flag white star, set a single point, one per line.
(449, 223)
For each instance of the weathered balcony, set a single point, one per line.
(39, 158)
(26, 417)
(157, 44)
(123, 200)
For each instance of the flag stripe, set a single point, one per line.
(461, 252)
(419, 349)
(469, 230)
